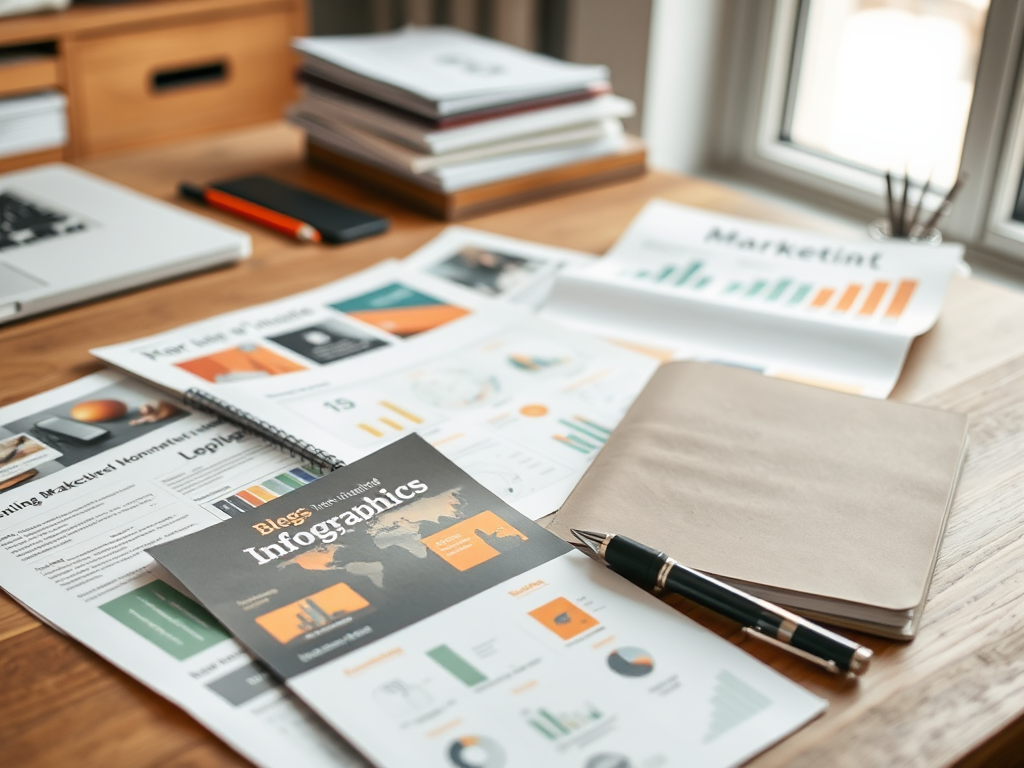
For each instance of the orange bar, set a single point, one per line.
(402, 412)
(392, 423)
(371, 430)
(821, 299)
(874, 298)
(261, 492)
(847, 299)
(899, 302)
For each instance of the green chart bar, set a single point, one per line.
(643, 274)
(779, 289)
(586, 432)
(733, 287)
(457, 665)
(800, 294)
(702, 282)
(755, 289)
(289, 480)
(689, 272)
(664, 274)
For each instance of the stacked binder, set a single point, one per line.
(458, 123)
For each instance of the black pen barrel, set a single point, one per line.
(651, 569)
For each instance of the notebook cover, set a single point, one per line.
(778, 483)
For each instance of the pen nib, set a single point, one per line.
(592, 539)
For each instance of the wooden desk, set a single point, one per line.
(955, 694)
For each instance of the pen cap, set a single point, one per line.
(636, 562)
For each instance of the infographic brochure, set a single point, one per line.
(787, 302)
(126, 469)
(434, 347)
(433, 625)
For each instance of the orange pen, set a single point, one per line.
(300, 230)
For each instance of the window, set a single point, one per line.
(826, 95)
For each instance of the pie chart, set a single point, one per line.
(476, 752)
(631, 662)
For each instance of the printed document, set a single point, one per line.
(789, 303)
(434, 626)
(124, 470)
(520, 403)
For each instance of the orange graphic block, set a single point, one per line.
(312, 612)
(473, 541)
(563, 618)
(408, 321)
(240, 362)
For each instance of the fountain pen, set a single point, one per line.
(656, 572)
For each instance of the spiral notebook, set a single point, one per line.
(435, 346)
(831, 504)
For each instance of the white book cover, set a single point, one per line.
(448, 68)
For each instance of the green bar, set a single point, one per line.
(779, 289)
(553, 720)
(756, 287)
(643, 273)
(800, 293)
(580, 441)
(587, 432)
(279, 488)
(702, 282)
(550, 736)
(167, 619)
(567, 442)
(663, 275)
(733, 287)
(288, 480)
(589, 423)
(457, 665)
(690, 271)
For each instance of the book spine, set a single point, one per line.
(207, 403)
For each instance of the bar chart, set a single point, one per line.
(557, 725)
(582, 434)
(884, 300)
(246, 499)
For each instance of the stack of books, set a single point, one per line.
(456, 123)
(33, 123)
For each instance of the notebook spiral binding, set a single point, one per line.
(204, 401)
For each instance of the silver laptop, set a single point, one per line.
(67, 236)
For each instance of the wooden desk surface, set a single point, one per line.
(953, 695)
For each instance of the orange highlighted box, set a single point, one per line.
(254, 500)
(473, 541)
(874, 298)
(563, 618)
(822, 297)
(240, 362)
(261, 492)
(408, 321)
(899, 301)
(312, 612)
(847, 299)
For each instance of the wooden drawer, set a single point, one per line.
(144, 86)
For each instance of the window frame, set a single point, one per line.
(758, 67)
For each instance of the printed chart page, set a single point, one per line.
(464, 635)
(495, 266)
(792, 304)
(94, 473)
(519, 402)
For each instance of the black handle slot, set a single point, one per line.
(186, 77)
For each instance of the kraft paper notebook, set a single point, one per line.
(832, 504)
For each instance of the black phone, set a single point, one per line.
(335, 222)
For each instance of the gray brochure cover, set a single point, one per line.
(361, 553)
